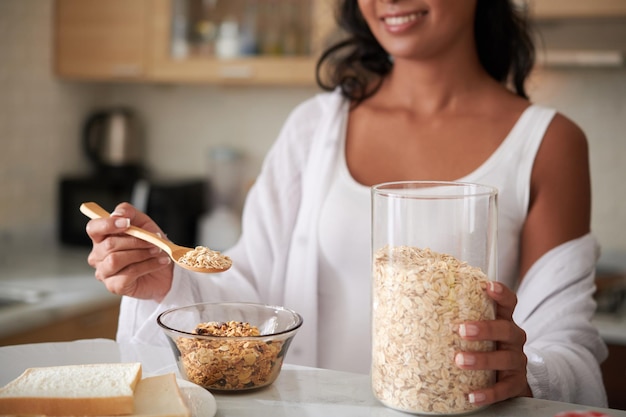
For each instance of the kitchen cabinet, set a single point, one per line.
(97, 322)
(546, 9)
(101, 40)
(160, 41)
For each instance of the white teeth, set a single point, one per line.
(401, 20)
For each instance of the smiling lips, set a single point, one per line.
(399, 21)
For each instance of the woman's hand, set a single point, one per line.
(127, 265)
(508, 359)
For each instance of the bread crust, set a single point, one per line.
(24, 406)
(33, 392)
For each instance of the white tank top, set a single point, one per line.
(344, 283)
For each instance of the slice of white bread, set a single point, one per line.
(73, 390)
(159, 396)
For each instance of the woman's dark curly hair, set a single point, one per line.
(357, 63)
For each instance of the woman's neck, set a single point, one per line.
(430, 87)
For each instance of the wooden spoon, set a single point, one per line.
(199, 259)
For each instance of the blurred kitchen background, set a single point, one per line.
(42, 113)
(207, 84)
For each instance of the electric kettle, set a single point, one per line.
(113, 138)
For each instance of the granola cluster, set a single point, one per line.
(419, 299)
(204, 258)
(234, 360)
(227, 329)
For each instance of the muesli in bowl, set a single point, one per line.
(230, 346)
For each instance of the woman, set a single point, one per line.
(419, 92)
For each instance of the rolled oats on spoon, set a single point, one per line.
(200, 259)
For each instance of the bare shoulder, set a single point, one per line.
(564, 153)
(564, 136)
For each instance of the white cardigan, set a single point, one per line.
(276, 262)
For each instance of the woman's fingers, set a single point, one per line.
(505, 299)
(127, 265)
(508, 360)
(502, 360)
(510, 386)
(127, 280)
(499, 330)
(99, 229)
(116, 261)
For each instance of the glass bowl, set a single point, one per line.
(232, 362)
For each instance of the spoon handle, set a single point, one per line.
(95, 211)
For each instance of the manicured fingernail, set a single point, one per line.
(495, 287)
(463, 359)
(164, 260)
(476, 397)
(122, 222)
(468, 330)
(154, 250)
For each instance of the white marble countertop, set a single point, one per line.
(55, 282)
(301, 391)
(298, 391)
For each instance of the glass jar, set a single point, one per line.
(433, 253)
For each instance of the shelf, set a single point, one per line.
(243, 70)
(562, 9)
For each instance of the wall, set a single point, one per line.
(40, 121)
(39, 117)
(184, 122)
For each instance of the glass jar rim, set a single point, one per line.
(403, 188)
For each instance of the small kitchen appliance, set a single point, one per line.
(175, 205)
(113, 141)
(220, 226)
